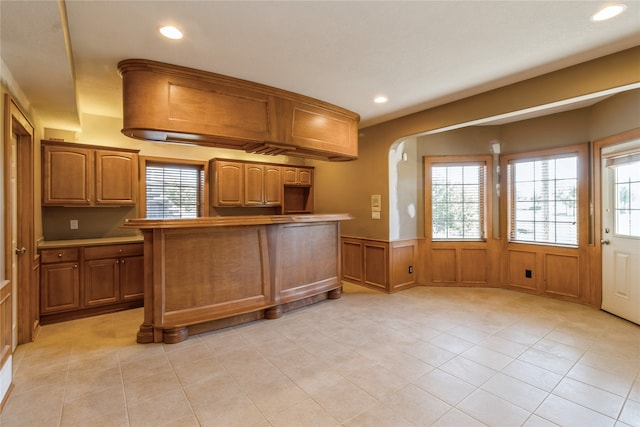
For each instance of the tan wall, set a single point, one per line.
(359, 179)
(614, 115)
(347, 187)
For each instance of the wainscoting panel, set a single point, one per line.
(379, 264)
(522, 269)
(375, 265)
(443, 266)
(403, 264)
(562, 275)
(352, 260)
(473, 266)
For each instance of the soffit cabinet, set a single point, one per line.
(169, 103)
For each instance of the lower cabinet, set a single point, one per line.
(87, 280)
(59, 280)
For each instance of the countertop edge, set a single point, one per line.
(144, 223)
(98, 241)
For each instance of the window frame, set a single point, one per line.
(203, 209)
(486, 194)
(581, 152)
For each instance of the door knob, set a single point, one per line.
(21, 250)
(605, 242)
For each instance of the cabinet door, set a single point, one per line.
(253, 185)
(132, 278)
(67, 177)
(289, 175)
(116, 178)
(305, 176)
(317, 129)
(59, 287)
(297, 176)
(228, 179)
(272, 191)
(101, 281)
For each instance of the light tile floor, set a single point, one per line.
(425, 356)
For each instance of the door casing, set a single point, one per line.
(598, 236)
(19, 198)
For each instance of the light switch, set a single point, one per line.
(375, 215)
(376, 204)
(73, 224)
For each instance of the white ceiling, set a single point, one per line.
(417, 53)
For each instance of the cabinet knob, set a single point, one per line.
(122, 261)
(75, 265)
(59, 255)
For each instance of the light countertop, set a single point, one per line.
(89, 242)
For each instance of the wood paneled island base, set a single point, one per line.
(209, 273)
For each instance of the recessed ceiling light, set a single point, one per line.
(171, 32)
(609, 12)
(380, 99)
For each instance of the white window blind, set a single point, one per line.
(543, 200)
(174, 191)
(457, 201)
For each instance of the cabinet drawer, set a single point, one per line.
(48, 256)
(113, 251)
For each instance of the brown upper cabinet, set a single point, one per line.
(163, 102)
(252, 184)
(297, 176)
(262, 185)
(248, 184)
(227, 183)
(84, 175)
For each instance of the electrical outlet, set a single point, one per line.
(410, 269)
(528, 274)
(73, 224)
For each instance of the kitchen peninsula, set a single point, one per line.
(208, 273)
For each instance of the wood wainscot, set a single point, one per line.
(208, 273)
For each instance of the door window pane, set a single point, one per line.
(627, 199)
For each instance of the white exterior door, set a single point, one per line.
(621, 232)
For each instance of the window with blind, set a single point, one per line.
(543, 200)
(174, 190)
(458, 201)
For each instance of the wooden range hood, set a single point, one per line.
(169, 103)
